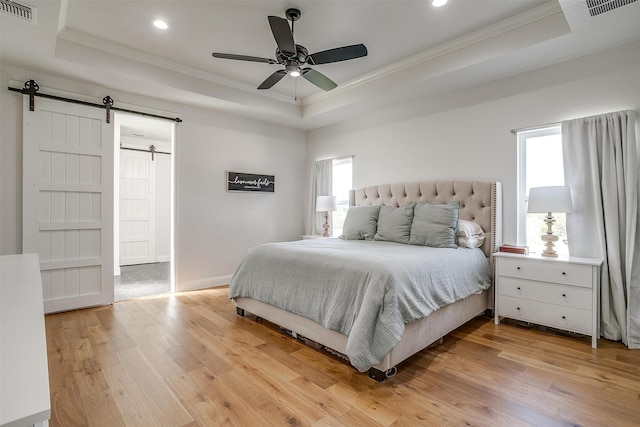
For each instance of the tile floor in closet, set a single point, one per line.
(142, 280)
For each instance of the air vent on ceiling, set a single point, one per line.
(18, 10)
(597, 7)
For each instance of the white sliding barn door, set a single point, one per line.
(137, 208)
(68, 201)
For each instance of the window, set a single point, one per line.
(341, 181)
(540, 164)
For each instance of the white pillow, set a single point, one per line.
(469, 234)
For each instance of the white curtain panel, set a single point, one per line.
(320, 184)
(601, 167)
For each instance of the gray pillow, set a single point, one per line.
(360, 223)
(394, 224)
(435, 225)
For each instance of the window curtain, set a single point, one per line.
(319, 185)
(601, 167)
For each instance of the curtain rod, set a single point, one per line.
(31, 88)
(514, 131)
(336, 158)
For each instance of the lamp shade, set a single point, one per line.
(326, 204)
(550, 199)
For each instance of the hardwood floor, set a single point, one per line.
(188, 360)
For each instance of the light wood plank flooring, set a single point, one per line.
(188, 360)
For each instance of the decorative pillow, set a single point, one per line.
(394, 224)
(470, 242)
(469, 228)
(470, 234)
(435, 225)
(360, 223)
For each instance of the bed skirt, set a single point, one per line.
(417, 335)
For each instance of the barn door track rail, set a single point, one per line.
(152, 149)
(31, 88)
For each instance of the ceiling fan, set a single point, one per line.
(293, 56)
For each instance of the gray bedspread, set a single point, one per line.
(367, 290)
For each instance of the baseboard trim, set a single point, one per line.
(210, 282)
(163, 258)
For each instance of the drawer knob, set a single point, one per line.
(564, 317)
(564, 295)
(518, 268)
(564, 274)
(518, 308)
(518, 288)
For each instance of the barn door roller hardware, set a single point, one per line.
(108, 103)
(31, 88)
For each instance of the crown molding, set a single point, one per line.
(506, 25)
(139, 56)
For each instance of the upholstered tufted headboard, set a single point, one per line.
(479, 201)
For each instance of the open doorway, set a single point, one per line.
(143, 206)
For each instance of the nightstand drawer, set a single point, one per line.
(569, 296)
(556, 272)
(568, 318)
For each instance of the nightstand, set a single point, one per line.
(559, 292)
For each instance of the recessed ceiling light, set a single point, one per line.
(438, 3)
(160, 24)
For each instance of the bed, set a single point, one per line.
(275, 277)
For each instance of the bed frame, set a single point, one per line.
(479, 201)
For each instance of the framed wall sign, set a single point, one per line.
(239, 181)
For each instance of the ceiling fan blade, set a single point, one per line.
(338, 54)
(318, 79)
(282, 34)
(243, 58)
(272, 79)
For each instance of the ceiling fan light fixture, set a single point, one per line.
(438, 3)
(293, 70)
(160, 24)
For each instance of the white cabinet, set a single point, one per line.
(24, 374)
(557, 292)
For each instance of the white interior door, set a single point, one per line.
(68, 201)
(137, 208)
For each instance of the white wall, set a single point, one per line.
(466, 135)
(163, 207)
(214, 229)
(218, 227)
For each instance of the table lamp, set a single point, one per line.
(326, 204)
(549, 199)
